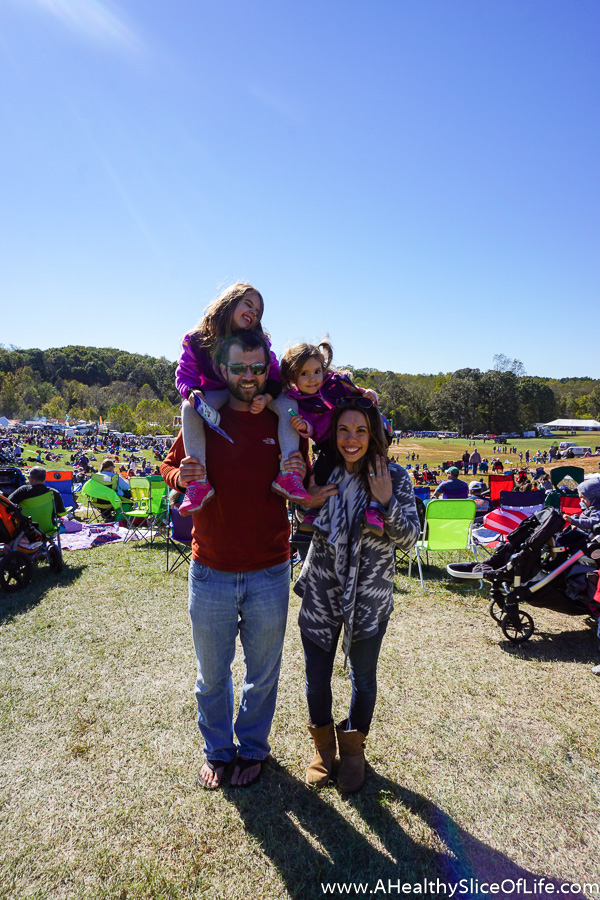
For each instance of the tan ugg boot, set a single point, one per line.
(351, 773)
(319, 771)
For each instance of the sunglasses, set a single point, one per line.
(242, 368)
(361, 402)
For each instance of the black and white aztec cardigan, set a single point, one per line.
(348, 574)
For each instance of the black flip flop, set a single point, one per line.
(213, 765)
(244, 763)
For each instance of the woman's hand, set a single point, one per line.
(303, 427)
(190, 470)
(319, 493)
(380, 481)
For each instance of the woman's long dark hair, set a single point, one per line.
(378, 445)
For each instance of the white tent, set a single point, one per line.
(576, 424)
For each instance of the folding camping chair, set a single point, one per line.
(179, 538)
(528, 502)
(159, 502)
(570, 506)
(500, 483)
(63, 483)
(140, 513)
(11, 478)
(447, 528)
(557, 476)
(101, 499)
(400, 555)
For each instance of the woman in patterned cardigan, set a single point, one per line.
(347, 582)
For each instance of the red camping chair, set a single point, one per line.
(569, 506)
(500, 483)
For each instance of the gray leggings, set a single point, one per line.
(193, 425)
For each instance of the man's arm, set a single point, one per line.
(178, 469)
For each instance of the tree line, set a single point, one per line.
(138, 393)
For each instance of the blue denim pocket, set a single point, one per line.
(198, 571)
(276, 571)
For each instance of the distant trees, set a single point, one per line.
(88, 382)
(137, 392)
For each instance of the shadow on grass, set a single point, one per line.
(565, 646)
(311, 843)
(18, 603)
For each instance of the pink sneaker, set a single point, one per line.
(307, 525)
(289, 485)
(197, 494)
(374, 520)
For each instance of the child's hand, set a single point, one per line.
(303, 427)
(196, 392)
(371, 395)
(259, 403)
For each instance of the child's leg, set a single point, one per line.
(192, 424)
(287, 484)
(198, 493)
(289, 438)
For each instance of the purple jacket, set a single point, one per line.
(195, 370)
(318, 408)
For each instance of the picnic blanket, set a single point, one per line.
(94, 536)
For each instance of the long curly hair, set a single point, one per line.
(295, 358)
(216, 321)
(378, 445)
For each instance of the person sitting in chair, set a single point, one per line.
(453, 488)
(36, 487)
(114, 480)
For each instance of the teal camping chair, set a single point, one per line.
(447, 528)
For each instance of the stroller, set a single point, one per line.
(537, 564)
(21, 544)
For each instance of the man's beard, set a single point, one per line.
(246, 396)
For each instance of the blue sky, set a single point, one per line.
(418, 179)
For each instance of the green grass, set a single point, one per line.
(64, 461)
(483, 756)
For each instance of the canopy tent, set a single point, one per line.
(4, 421)
(576, 424)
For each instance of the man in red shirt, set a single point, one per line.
(239, 575)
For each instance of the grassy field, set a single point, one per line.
(434, 452)
(484, 756)
(64, 461)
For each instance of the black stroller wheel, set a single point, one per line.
(55, 559)
(15, 571)
(517, 628)
(496, 610)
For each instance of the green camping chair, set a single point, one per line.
(140, 514)
(42, 512)
(447, 528)
(159, 507)
(553, 498)
(101, 499)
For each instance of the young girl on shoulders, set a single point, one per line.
(240, 307)
(318, 390)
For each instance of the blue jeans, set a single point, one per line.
(363, 658)
(221, 604)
